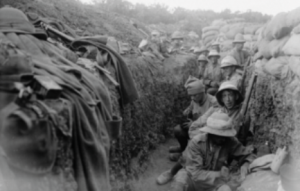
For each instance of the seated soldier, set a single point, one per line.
(230, 101)
(200, 103)
(207, 157)
(212, 75)
(237, 52)
(202, 61)
(177, 43)
(229, 68)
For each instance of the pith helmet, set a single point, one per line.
(219, 124)
(239, 38)
(228, 61)
(177, 35)
(202, 58)
(228, 85)
(213, 53)
(15, 21)
(200, 50)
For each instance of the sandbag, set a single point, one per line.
(210, 28)
(293, 17)
(209, 39)
(278, 27)
(276, 46)
(209, 33)
(226, 45)
(296, 30)
(292, 46)
(260, 33)
(248, 37)
(225, 28)
(235, 30)
(277, 67)
(259, 66)
(294, 65)
(251, 29)
(218, 23)
(263, 48)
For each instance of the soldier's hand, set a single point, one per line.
(244, 171)
(224, 173)
(187, 124)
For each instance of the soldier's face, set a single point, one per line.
(198, 97)
(155, 37)
(239, 46)
(214, 59)
(229, 98)
(227, 71)
(217, 140)
(202, 64)
(177, 42)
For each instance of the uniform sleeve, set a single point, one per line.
(194, 165)
(188, 110)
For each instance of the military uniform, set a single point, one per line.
(203, 161)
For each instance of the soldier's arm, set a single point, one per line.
(194, 157)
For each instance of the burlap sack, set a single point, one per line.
(235, 30)
(248, 37)
(218, 23)
(225, 28)
(293, 17)
(277, 67)
(296, 29)
(209, 33)
(294, 65)
(292, 46)
(278, 27)
(209, 39)
(276, 46)
(251, 29)
(263, 48)
(210, 28)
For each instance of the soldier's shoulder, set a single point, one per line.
(212, 99)
(201, 137)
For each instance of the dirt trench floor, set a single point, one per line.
(159, 162)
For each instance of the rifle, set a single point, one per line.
(62, 35)
(249, 60)
(248, 94)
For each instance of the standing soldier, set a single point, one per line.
(237, 52)
(229, 66)
(212, 75)
(177, 43)
(202, 61)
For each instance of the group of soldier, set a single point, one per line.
(215, 134)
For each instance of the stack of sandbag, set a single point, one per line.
(234, 30)
(250, 32)
(209, 34)
(280, 44)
